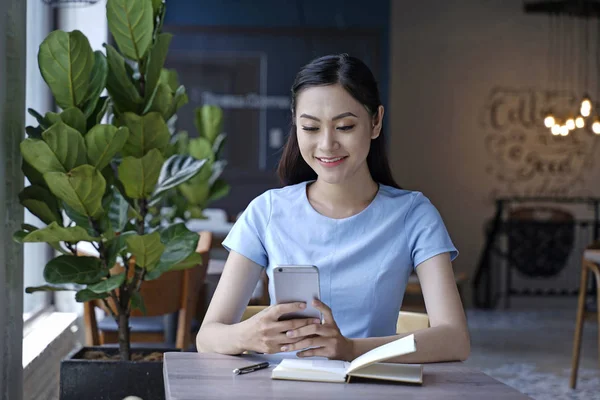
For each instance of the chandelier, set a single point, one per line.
(573, 31)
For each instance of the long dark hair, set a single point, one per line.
(358, 80)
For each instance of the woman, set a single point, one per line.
(341, 211)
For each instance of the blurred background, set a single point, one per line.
(490, 112)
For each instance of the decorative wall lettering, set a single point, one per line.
(525, 158)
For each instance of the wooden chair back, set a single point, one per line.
(173, 291)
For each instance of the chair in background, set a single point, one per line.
(407, 321)
(590, 264)
(172, 297)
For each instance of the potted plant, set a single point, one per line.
(96, 168)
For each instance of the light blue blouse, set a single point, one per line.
(364, 260)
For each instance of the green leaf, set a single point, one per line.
(97, 83)
(46, 288)
(79, 219)
(87, 295)
(131, 24)
(44, 123)
(218, 144)
(218, 190)
(41, 203)
(74, 118)
(170, 77)
(103, 142)
(57, 233)
(180, 242)
(139, 175)
(217, 169)
(193, 260)
(196, 194)
(34, 133)
(156, 5)
(147, 249)
(161, 101)
(176, 170)
(67, 144)
(137, 302)
(32, 175)
(200, 148)
(38, 154)
(52, 118)
(179, 100)
(145, 133)
(209, 121)
(123, 92)
(82, 189)
(109, 284)
(117, 211)
(156, 60)
(74, 269)
(116, 246)
(98, 112)
(66, 61)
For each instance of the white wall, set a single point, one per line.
(38, 97)
(446, 59)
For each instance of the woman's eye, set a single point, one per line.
(345, 128)
(310, 128)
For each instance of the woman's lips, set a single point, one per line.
(331, 161)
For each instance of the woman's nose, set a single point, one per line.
(328, 140)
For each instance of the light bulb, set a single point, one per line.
(555, 129)
(570, 124)
(596, 127)
(585, 111)
(549, 121)
(579, 122)
(586, 103)
(564, 130)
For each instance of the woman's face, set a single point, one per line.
(334, 132)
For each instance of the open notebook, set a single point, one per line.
(366, 366)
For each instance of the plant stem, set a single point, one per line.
(124, 345)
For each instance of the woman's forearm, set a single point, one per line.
(436, 344)
(215, 337)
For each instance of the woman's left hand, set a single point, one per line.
(325, 339)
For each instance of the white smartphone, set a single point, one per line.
(297, 283)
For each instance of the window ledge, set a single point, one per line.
(49, 338)
(45, 331)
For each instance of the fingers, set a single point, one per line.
(293, 324)
(312, 329)
(278, 310)
(316, 341)
(325, 310)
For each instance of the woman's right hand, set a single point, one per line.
(264, 333)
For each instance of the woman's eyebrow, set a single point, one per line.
(342, 115)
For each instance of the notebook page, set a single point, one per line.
(330, 366)
(396, 348)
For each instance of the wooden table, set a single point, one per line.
(191, 376)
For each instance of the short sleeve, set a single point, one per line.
(247, 236)
(427, 235)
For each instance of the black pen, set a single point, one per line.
(250, 368)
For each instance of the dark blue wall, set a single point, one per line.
(373, 14)
(309, 29)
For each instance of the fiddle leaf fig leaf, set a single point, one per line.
(103, 142)
(82, 189)
(139, 175)
(74, 269)
(67, 144)
(131, 24)
(147, 249)
(66, 61)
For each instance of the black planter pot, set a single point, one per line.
(111, 380)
